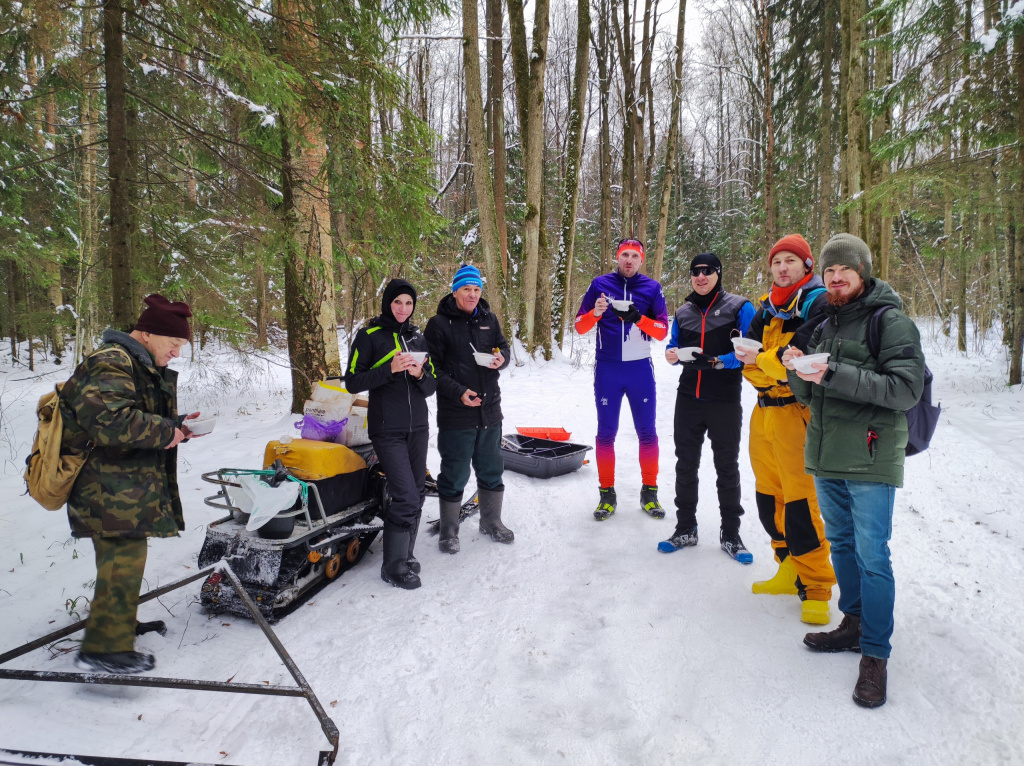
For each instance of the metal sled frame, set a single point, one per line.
(302, 689)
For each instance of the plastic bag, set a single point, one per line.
(267, 501)
(320, 430)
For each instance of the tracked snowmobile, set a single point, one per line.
(339, 511)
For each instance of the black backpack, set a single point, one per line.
(923, 417)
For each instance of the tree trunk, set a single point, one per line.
(533, 159)
(478, 147)
(1017, 346)
(764, 34)
(123, 309)
(856, 118)
(605, 150)
(670, 149)
(309, 270)
(571, 194)
(496, 96)
(826, 155)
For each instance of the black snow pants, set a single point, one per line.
(722, 422)
(403, 458)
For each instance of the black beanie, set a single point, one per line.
(393, 289)
(707, 259)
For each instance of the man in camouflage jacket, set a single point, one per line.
(121, 403)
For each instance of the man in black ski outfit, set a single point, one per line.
(468, 405)
(708, 402)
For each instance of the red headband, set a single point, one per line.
(630, 246)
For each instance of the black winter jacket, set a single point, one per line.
(449, 335)
(397, 400)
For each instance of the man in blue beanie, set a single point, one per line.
(468, 349)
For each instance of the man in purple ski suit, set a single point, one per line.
(628, 309)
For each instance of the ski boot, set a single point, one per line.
(683, 538)
(649, 502)
(606, 505)
(782, 584)
(732, 545)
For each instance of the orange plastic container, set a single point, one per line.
(555, 434)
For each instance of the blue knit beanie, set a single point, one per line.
(467, 275)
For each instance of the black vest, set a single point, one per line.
(711, 330)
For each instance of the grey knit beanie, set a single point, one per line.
(847, 250)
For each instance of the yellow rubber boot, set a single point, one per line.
(815, 612)
(782, 584)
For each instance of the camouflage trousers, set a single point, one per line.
(120, 564)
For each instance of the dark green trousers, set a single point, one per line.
(462, 447)
(120, 564)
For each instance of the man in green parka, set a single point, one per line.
(855, 448)
(121, 403)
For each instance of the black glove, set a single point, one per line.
(705, 362)
(632, 314)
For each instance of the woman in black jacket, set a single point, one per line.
(379, 362)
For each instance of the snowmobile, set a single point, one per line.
(338, 513)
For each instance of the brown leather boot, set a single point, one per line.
(870, 688)
(845, 638)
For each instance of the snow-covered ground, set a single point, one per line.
(578, 644)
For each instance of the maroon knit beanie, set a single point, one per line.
(164, 317)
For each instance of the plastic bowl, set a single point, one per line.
(805, 364)
(484, 360)
(686, 354)
(201, 426)
(747, 344)
(621, 305)
(417, 356)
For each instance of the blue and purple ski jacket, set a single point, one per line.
(619, 341)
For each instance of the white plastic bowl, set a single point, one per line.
(747, 344)
(621, 305)
(686, 354)
(484, 360)
(805, 363)
(201, 426)
(417, 356)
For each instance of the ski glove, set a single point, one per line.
(632, 314)
(704, 362)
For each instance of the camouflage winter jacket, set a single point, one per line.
(127, 411)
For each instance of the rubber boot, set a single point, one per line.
(414, 565)
(490, 516)
(449, 529)
(394, 570)
(782, 584)
(815, 612)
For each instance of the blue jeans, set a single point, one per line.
(858, 524)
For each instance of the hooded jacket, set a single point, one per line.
(398, 401)
(126, 408)
(449, 335)
(858, 429)
(777, 328)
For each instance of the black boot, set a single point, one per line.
(414, 565)
(606, 505)
(845, 638)
(451, 511)
(117, 663)
(870, 688)
(156, 626)
(649, 502)
(490, 516)
(394, 569)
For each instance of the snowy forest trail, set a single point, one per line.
(580, 643)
